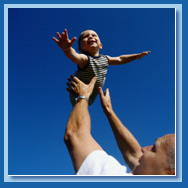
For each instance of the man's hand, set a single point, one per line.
(141, 55)
(77, 87)
(63, 40)
(105, 100)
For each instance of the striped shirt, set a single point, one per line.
(97, 66)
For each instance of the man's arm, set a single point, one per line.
(123, 59)
(78, 137)
(65, 44)
(128, 145)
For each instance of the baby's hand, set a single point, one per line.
(63, 40)
(141, 55)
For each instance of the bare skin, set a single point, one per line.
(154, 158)
(78, 137)
(151, 160)
(127, 143)
(90, 45)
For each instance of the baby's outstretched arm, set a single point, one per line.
(63, 41)
(65, 44)
(126, 58)
(141, 55)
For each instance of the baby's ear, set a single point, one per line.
(100, 46)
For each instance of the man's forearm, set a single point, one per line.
(77, 131)
(78, 137)
(79, 117)
(127, 143)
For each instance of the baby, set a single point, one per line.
(90, 62)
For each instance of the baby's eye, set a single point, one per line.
(85, 36)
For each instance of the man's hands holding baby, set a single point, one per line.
(76, 87)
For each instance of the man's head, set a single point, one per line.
(89, 43)
(158, 159)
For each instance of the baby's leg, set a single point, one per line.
(93, 96)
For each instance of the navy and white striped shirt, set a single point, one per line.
(97, 66)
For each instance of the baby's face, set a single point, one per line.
(90, 42)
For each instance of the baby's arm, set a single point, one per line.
(125, 58)
(65, 44)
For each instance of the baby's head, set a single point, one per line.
(89, 43)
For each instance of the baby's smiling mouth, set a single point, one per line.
(91, 42)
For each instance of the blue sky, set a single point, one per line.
(142, 92)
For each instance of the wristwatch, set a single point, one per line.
(81, 97)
